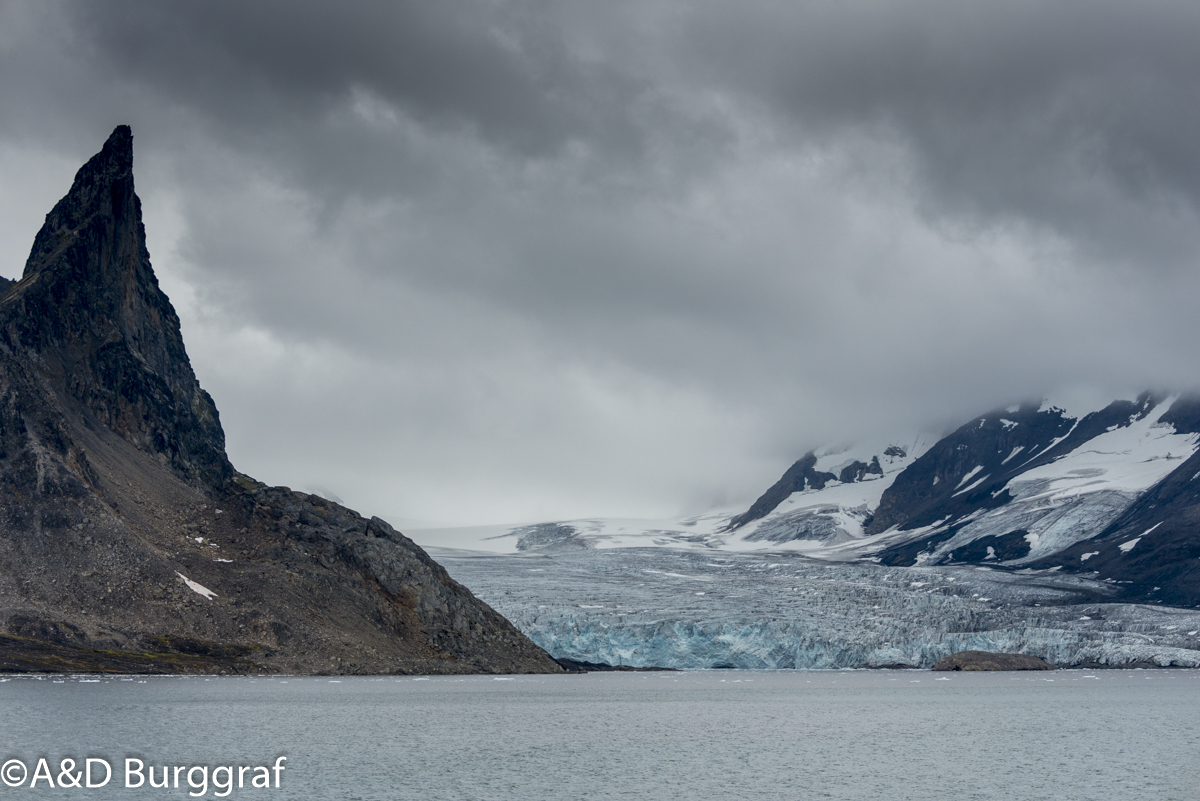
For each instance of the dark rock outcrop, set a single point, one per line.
(129, 543)
(985, 660)
(549, 536)
(800, 476)
(577, 666)
(856, 471)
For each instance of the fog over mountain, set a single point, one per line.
(487, 262)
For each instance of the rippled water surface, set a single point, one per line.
(715, 734)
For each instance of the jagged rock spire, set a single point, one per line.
(107, 176)
(88, 310)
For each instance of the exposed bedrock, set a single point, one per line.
(986, 660)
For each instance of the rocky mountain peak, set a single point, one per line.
(89, 313)
(128, 543)
(105, 180)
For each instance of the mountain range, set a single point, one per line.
(1071, 534)
(1111, 493)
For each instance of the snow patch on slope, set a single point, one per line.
(1129, 459)
(970, 474)
(1015, 451)
(973, 485)
(196, 587)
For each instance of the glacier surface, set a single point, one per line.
(688, 609)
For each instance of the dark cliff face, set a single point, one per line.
(127, 540)
(801, 476)
(88, 311)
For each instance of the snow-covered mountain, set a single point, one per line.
(810, 509)
(1092, 506)
(1042, 488)
(1109, 492)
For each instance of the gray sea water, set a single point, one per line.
(689, 735)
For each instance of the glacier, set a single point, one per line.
(783, 610)
(821, 573)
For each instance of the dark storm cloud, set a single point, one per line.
(1025, 109)
(1078, 115)
(998, 101)
(485, 260)
(499, 69)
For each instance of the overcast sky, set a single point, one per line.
(513, 261)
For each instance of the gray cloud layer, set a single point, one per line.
(503, 261)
